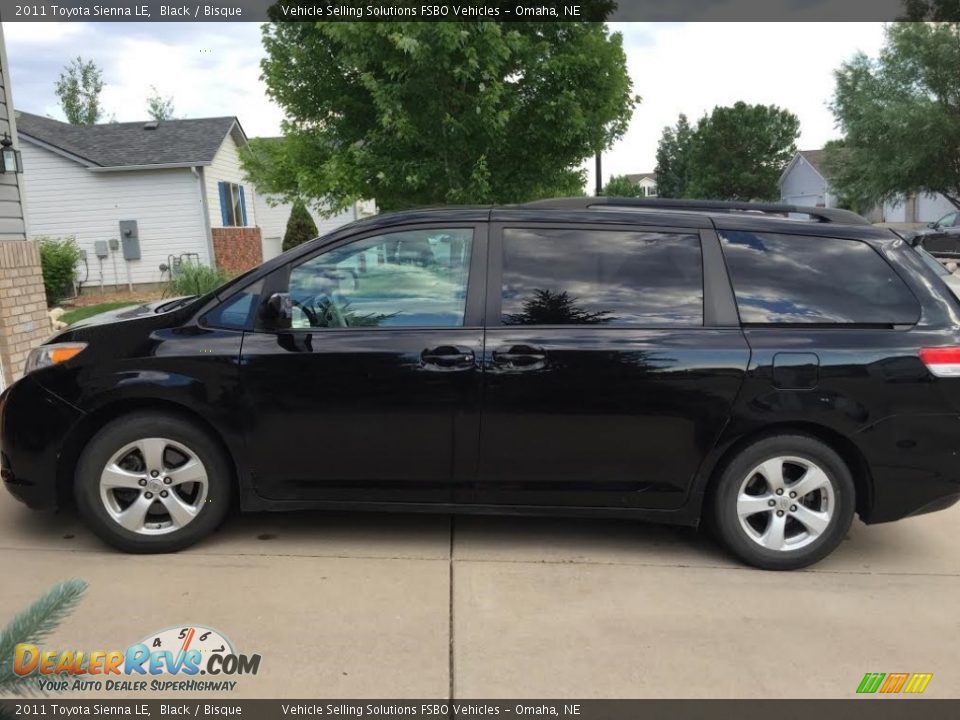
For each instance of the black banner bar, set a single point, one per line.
(443, 10)
(852, 709)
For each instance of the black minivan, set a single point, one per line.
(767, 369)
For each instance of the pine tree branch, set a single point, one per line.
(33, 626)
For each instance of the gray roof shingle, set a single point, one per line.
(815, 158)
(109, 145)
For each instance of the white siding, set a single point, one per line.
(273, 223)
(933, 207)
(803, 185)
(226, 168)
(67, 199)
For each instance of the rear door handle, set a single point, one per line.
(520, 357)
(448, 357)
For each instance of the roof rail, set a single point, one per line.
(829, 215)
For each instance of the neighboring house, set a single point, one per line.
(273, 221)
(24, 323)
(647, 183)
(803, 182)
(160, 191)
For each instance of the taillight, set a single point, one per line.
(942, 362)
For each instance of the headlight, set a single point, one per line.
(54, 354)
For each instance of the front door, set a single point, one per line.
(372, 393)
(604, 385)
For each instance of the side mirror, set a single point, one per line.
(278, 311)
(932, 225)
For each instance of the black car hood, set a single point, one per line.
(132, 313)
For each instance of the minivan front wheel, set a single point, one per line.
(784, 502)
(152, 483)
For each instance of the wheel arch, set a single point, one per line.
(848, 451)
(94, 421)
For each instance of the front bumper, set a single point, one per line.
(34, 425)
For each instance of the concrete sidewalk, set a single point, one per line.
(349, 605)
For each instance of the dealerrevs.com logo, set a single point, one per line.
(187, 652)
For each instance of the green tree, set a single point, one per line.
(926, 10)
(739, 152)
(79, 88)
(158, 107)
(900, 116)
(622, 186)
(300, 226)
(424, 113)
(673, 159)
(550, 307)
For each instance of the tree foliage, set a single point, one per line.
(622, 186)
(158, 107)
(79, 88)
(673, 155)
(739, 152)
(900, 115)
(415, 113)
(549, 307)
(300, 226)
(931, 10)
(59, 258)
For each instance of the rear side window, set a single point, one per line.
(601, 277)
(785, 279)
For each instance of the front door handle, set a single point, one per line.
(448, 357)
(520, 357)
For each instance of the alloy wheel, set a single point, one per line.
(785, 503)
(154, 486)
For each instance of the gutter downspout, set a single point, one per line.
(205, 211)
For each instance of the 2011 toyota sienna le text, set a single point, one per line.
(768, 370)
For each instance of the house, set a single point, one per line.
(804, 182)
(647, 183)
(24, 323)
(142, 196)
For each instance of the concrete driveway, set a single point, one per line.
(355, 606)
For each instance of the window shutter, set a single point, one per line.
(243, 207)
(224, 203)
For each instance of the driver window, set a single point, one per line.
(414, 278)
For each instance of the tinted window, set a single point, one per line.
(799, 279)
(416, 278)
(235, 312)
(601, 277)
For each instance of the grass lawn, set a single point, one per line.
(82, 313)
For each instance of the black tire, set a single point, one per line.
(131, 428)
(726, 520)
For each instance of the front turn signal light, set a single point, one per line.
(47, 355)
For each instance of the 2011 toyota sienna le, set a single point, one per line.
(770, 370)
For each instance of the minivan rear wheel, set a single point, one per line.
(152, 483)
(784, 502)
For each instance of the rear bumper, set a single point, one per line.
(34, 425)
(915, 465)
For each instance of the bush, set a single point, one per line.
(300, 227)
(190, 279)
(59, 258)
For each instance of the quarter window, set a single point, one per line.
(782, 279)
(601, 277)
(415, 278)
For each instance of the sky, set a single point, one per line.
(212, 69)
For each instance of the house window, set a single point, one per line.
(233, 204)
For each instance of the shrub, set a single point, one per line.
(300, 226)
(58, 259)
(190, 279)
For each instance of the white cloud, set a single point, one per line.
(691, 68)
